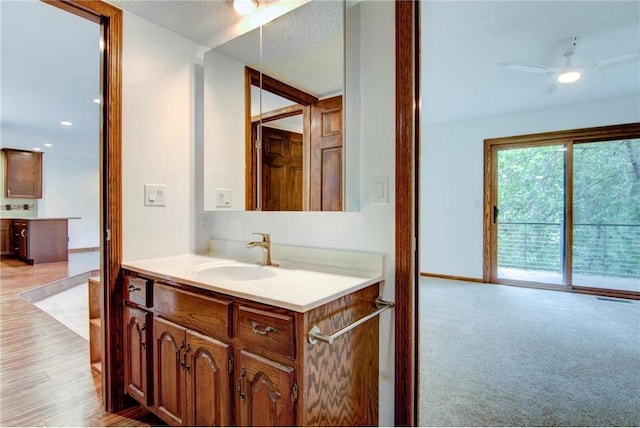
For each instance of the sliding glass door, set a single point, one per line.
(606, 214)
(563, 210)
(529, 214)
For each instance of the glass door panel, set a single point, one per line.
(530, 213)
(606, 215)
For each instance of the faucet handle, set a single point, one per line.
(265, 236)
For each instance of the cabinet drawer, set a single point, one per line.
(205, 314)
(138, 291)
(266, 330)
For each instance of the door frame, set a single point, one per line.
(110, 19)
(568, 137)
(407, 30)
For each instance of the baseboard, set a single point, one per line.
(452, 277)
(55, 287)
(84, 250)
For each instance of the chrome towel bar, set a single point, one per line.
(315, 335)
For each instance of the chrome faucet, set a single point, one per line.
(265, 244)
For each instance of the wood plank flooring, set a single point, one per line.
(45, 376)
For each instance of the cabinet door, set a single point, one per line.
(137, 324)
(6, 238)
(169, 377)
(208, 384)
(267, 391)
(21, 233)
(23, 172)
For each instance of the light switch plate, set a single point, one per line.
(155, 195)
(381, 189)
(223, 198)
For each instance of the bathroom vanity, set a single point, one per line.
(210, 341)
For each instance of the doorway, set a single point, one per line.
(564, 211)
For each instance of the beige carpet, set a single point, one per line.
(508, 356)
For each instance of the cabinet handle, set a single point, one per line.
(254, 326)
(243, 396)
(23, 233)
(183, 364)
(133, 288)
(178, 354)
(144, 343)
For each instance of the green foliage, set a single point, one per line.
(606, 207)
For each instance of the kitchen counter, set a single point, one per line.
(294, 286)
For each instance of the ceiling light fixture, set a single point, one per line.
(66, 123)
(97, 101)
(48, 145)
(245, 7)
(37, 149)
(569, 76)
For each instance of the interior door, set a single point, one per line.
(281, 170)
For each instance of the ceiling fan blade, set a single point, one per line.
(617, 59)
(529, 68)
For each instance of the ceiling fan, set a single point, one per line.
(570, 73)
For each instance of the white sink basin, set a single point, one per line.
(235, 273)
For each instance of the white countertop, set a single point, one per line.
(289, 286)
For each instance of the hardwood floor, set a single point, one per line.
(45, 377)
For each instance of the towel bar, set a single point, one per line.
(315, 335)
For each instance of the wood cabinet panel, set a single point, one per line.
(138, 324)
(23, 174)
(208, 382)
(206, 314)
(267, 391)
(6, 237)
(266, 330)
(170, 399)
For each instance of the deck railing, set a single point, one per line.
(598, 249)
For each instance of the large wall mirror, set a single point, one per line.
(275, 108)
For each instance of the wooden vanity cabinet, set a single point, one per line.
(222, 360)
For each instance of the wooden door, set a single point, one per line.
(170, 399)
(267, 392)
(326, 155)
(137, 324)
(208, 384)
(281, 170)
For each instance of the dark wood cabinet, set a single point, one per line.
(219, 360)
(6, 237)
(40, 240)
(22, 174)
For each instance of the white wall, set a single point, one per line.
(71, 188)
(160, 117)
(451, 163)
(372, 228)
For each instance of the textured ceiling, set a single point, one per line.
(50, 73)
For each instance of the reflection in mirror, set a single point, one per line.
(275, 142)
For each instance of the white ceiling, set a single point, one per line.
(49, 58)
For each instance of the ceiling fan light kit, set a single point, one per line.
(569, 73)
(245, 7)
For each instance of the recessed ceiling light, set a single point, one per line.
(48, 145)
(97, 100)
(245, 7)
(37, 149)
(66, 123)
(569, 76)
